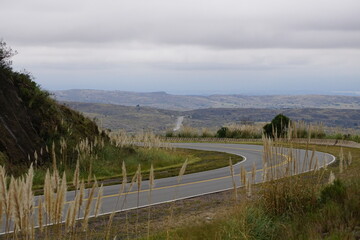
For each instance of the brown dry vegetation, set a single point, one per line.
(276, 209)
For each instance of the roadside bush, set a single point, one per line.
(188, 132)
(169, 133)
(279, 126)
(289, 197)
(222, 132)
(335, 192)
(239, 131)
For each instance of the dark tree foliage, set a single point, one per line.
(278, 126)
(5, 54)
(222, 132)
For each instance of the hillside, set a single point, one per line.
(133, 119)
(30, 120)
(189, 102)
(36, 129)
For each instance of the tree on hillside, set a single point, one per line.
(5, 54)
(278, 126)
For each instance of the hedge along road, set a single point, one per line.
(195, 184)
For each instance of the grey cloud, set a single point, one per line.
(217, 24)
(207, 66)
(135, 43)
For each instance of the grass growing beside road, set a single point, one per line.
(313, 211)
(18, 203)
(166, 163)
(305, 206)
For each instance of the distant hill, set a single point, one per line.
(190, 102)
(133, 119)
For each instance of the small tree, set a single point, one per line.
(278, 126)
(5, 54)
(222, 132)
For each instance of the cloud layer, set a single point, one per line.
(132, 44)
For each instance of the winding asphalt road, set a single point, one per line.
(196, 184)
(201, 183)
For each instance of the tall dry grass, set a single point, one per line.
(283, 192)
(151, 186)
(233, 179)
(179, 178)
(22, 216)
(146, 139)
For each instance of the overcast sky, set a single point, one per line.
(187, 46)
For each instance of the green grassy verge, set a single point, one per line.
(167, 163)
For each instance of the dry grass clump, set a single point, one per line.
(86, 152)
(284, 192)
(191, 132)
(146, 139)
(17, 200)
(89, 202)
(22, 216)
(121, 138)
(233, 179)
(245, 131)
(287, 192)
(301, 129)
(188, 132)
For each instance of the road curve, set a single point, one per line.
(195, 184)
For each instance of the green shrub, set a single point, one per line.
(335, 192)
(188, 132)
(5, 56)
(279, 126)
(169, 133)
(222, 132)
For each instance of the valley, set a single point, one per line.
(136, 118)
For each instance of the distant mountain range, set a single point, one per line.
(162, 100)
